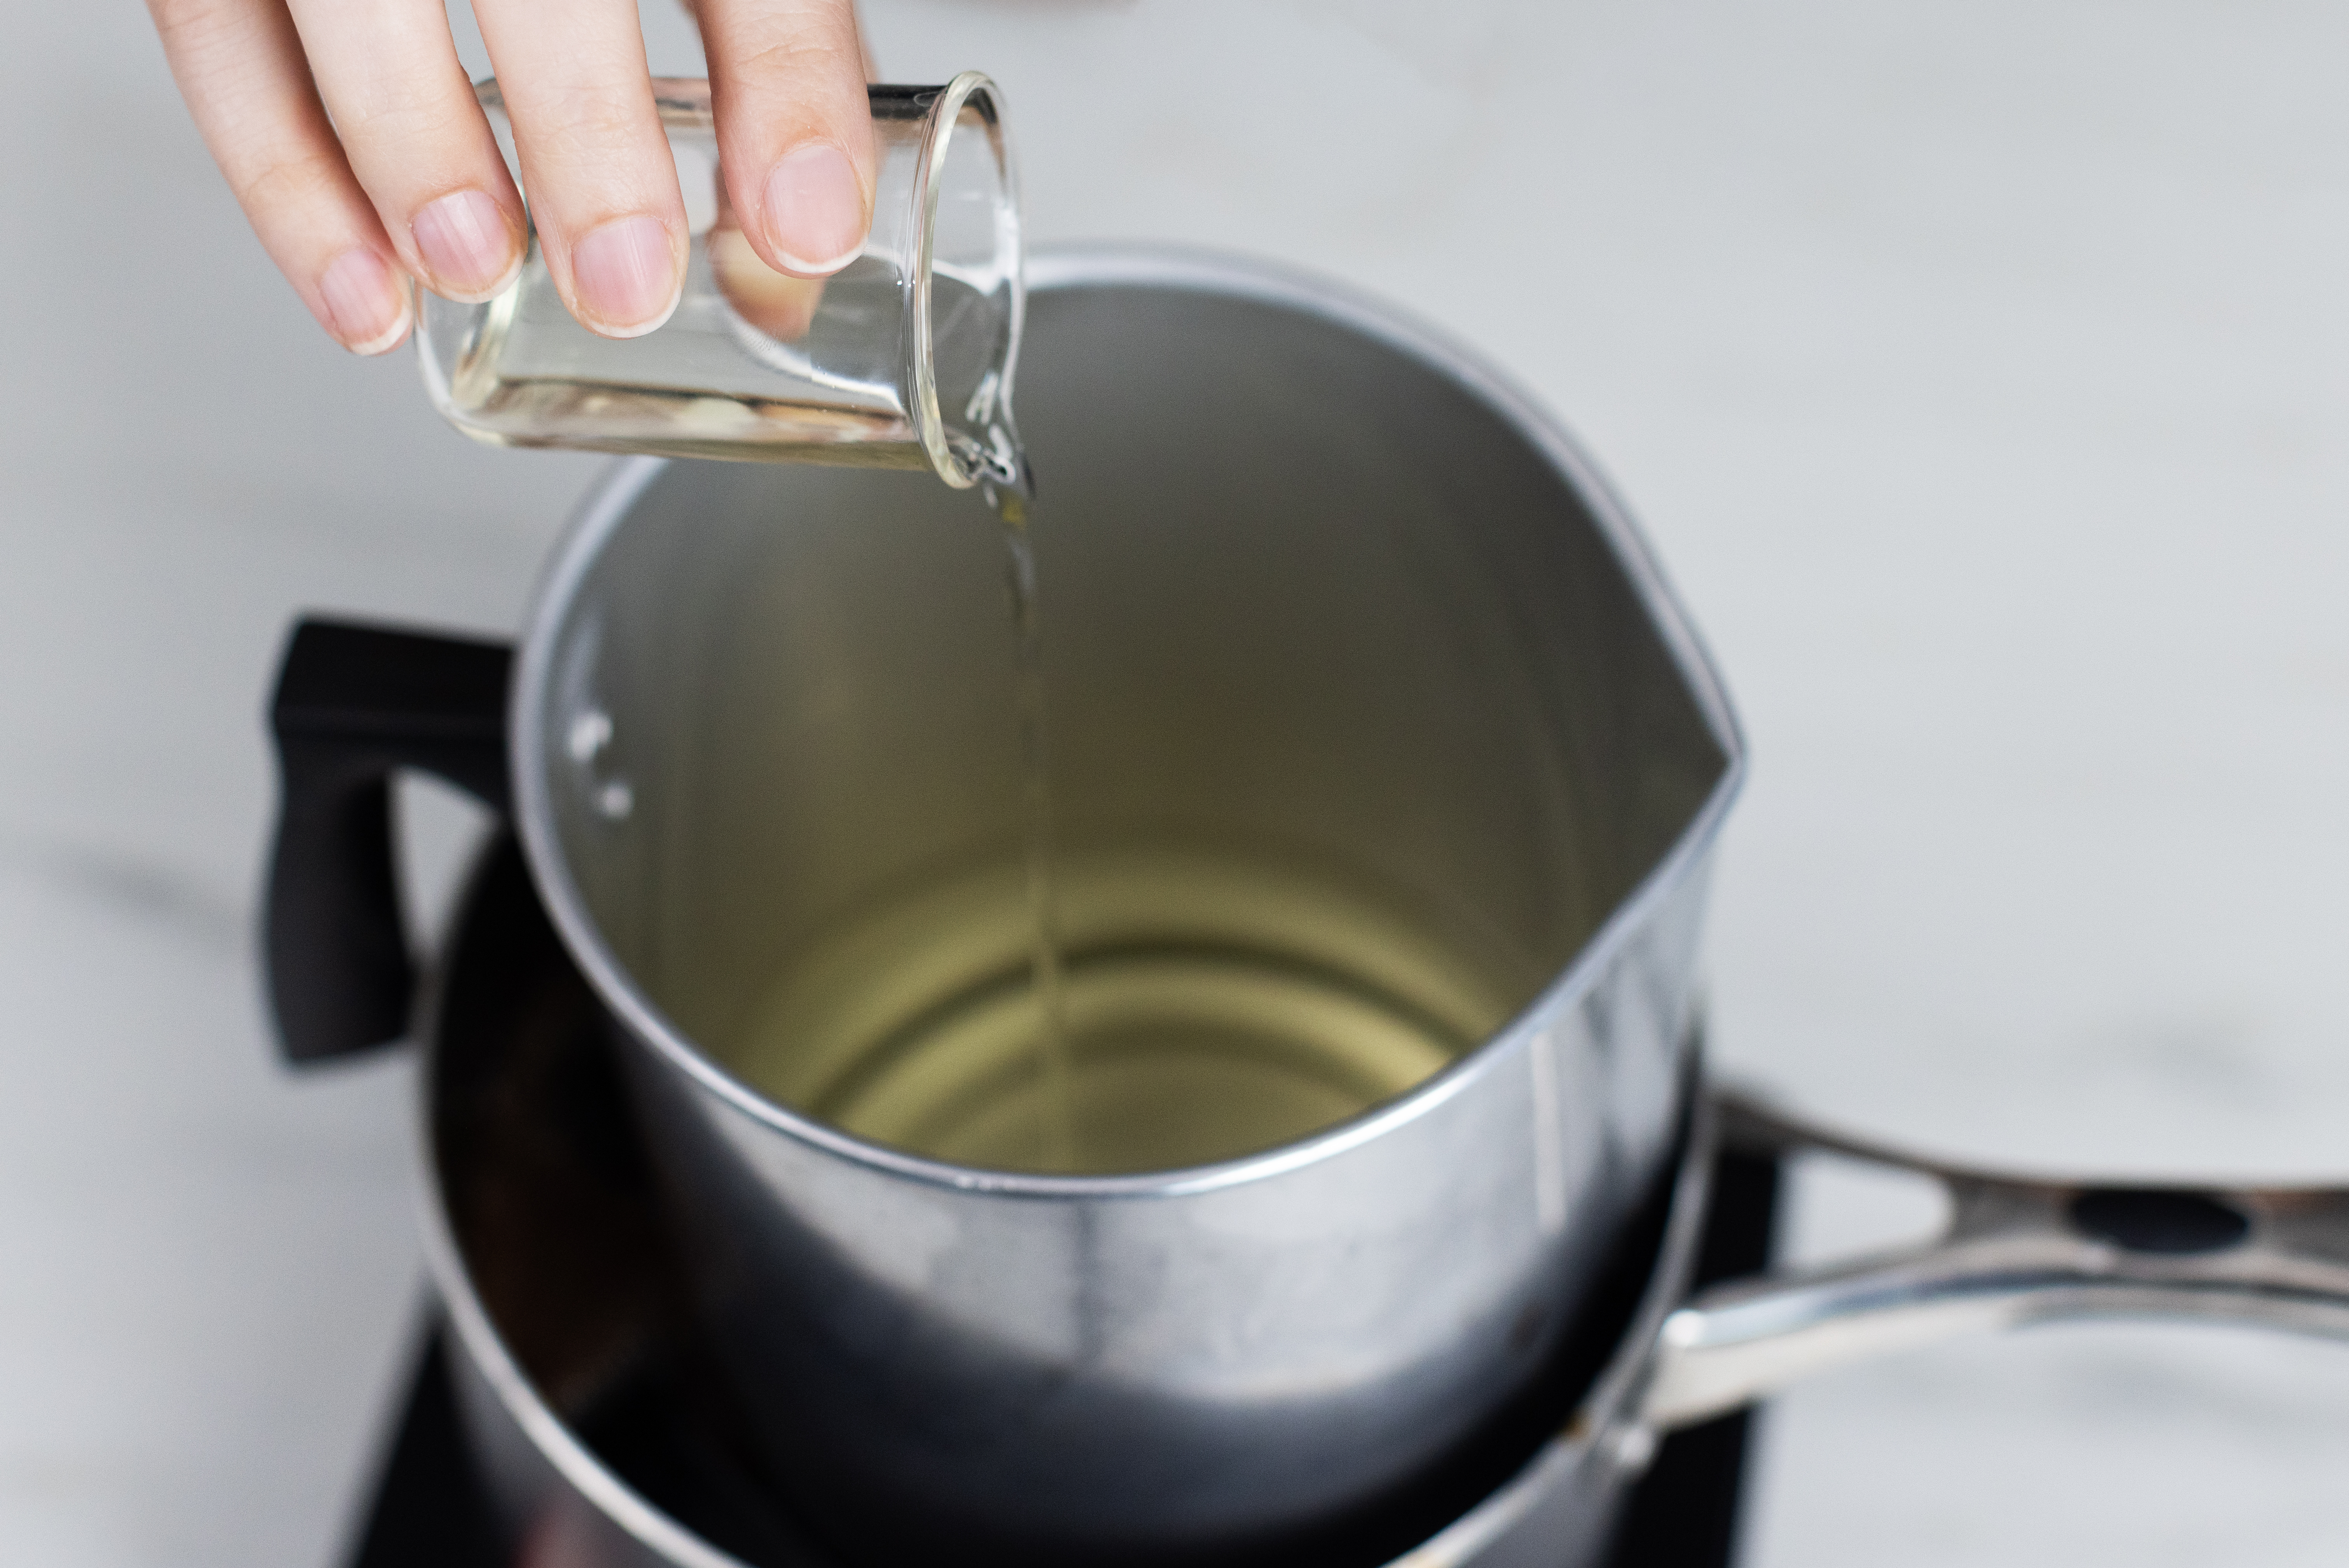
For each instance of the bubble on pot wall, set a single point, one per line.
(591, 732)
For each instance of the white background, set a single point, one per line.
(1977, 369)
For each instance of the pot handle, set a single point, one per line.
(353, 705)
(2015, 1251)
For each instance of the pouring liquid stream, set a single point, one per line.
(1056, 1142)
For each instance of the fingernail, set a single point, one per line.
(366, 307)
(626, 274)
(815, 209)
(466, 244)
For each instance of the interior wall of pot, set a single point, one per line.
(1334, 660)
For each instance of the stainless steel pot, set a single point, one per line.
(1367, 704)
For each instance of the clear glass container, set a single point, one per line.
(903, 359)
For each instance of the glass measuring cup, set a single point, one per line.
(901, 360)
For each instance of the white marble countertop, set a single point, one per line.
(1978, 373)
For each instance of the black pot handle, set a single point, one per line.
(353, 705)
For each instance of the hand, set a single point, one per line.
(351, 137)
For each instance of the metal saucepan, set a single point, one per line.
(1375, 735)
(1355, 660)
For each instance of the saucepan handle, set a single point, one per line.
(2015, 1251)
(354, 704)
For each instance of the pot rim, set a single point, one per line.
(607, 506)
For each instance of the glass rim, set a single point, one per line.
(937, 136)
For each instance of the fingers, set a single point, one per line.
(781, 306)
(864, 44)
(795, 129)
(239, 64)
(417, 139)
(414, 184)
(777, 304)
(602, 185)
